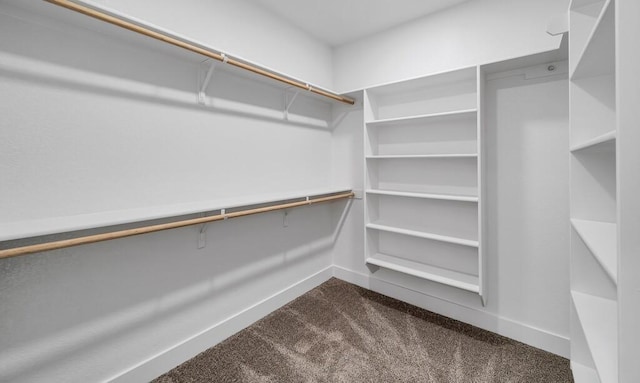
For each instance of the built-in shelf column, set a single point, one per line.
(422, 178)
(594, 201)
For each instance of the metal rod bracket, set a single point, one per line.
(202, 96)
(202, 236)
(288, 103)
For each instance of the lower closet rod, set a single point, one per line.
(24, 250)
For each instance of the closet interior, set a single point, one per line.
(158, 182)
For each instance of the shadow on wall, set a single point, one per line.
(61, 305)
(51, 50)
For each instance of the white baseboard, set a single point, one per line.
(161, 363)
(519, 331)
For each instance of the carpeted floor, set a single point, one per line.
(339, 332)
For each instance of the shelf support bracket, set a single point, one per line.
(288, 103)
(202, 96)
(202, 236)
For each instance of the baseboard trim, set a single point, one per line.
(180, 353)
(522, 332)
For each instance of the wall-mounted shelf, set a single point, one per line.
(431, 273)
(600, 238)
(198, 49)
(447, 197)
(466, 113)
(597, 57)
(417, 156)
(421, 234)
(598, 317)
(39, 227)
(601, 140)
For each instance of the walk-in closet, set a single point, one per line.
(336, 191)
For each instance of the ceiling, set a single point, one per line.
(337, 22)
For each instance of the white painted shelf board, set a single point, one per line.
(447, 197)
(409, 156)
(395, 121)
(593, 60)
(584, 374)
(590, 143)
(581, 3)
(599, 320)
(62, 16)
(431, 273)
(439, 79)
(56, 225)
(422, 234)
(601, 240)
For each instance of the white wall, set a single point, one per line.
(527, 186)
(242, 29)
(93, 123)
(475, 32)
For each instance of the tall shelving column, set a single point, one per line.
(594, 202)
(422, 178)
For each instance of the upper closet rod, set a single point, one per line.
(24, 250)
(194, 48)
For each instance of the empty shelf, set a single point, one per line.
(431, 273)
(601, 240)
(393, 121)
(599, 319)
(598, 55)
(443, 155)
(608, 137)
(448, 197)
(425, 235)
(584, 374)
(56, 225)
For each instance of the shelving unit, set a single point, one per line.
(594, 191)
(422, 178)
(598, 317)
(600, 239)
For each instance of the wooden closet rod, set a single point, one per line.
(24, 250)
(194, 48)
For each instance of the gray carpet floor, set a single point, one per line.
(339, 332)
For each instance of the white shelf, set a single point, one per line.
(599, 320)
(59, 16)
(583, 374)
(598, 55)
(600, 140)
(405, 156)
(418, 118)
(431, 273)
(56, 225)
(447, 197)
(422, 234)
(600, 238)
